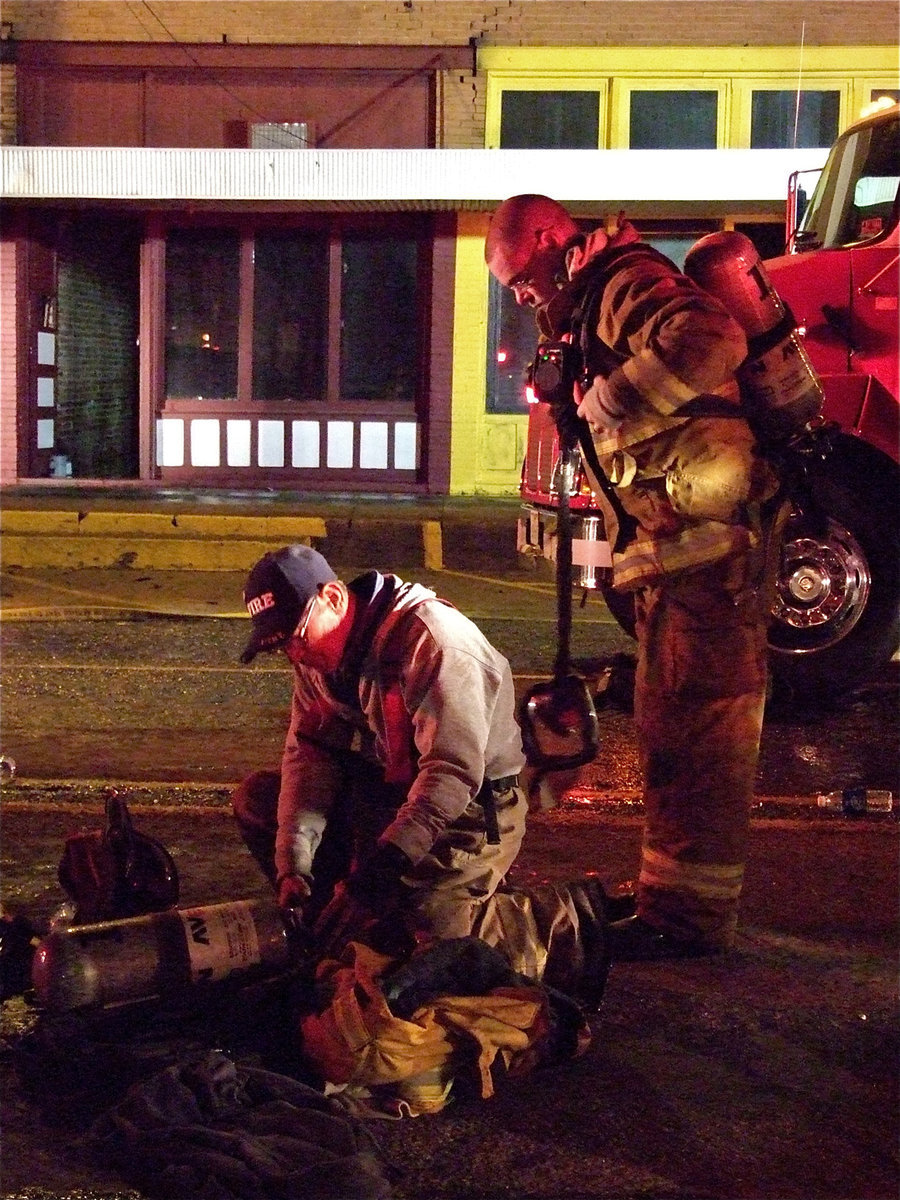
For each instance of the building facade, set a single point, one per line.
(241, 244)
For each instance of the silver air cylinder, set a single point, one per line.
(159, 955)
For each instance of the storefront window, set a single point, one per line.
(379, 318)
(202, 303)
(326, 313)
(290, 311)
(511, 342)
(778, 122)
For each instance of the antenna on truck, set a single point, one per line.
(799, 80)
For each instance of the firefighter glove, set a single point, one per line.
(378, 881)
(598, 407)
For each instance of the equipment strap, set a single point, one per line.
(562, 665)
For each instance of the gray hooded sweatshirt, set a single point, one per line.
(426, 697)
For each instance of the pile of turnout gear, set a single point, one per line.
(260, 1083)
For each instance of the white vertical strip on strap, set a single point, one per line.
(46, 349)
(237, 443)
(205, 450)
(170, 442)
(270, 452)
(405, 446)
(373, 445)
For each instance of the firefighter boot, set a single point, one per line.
(635, 940)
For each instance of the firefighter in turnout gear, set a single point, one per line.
(660, 399)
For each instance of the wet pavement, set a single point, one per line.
(769, 1076)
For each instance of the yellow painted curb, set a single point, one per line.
(162, 553)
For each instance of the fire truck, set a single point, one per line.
(836, 614)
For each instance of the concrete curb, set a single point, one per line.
(86, 795)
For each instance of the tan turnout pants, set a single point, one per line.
(551, 932)
(700, 691)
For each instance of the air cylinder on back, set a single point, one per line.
(779, 385)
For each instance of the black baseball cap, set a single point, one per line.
(277, 590)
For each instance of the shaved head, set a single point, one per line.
(518, 227)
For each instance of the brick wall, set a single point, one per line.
(432, 22)
(460, 118)
(460, 93)
(97, 377)
(7, 104)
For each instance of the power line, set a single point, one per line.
(200, 66)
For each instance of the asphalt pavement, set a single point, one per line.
(768, 1076)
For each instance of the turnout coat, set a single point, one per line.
(684, 460)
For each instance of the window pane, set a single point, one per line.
(768, 238)
(888, 93)
(550, 121)
(379, 318)
(677, 120)
(774, 114)
(858, 190)
(290, 307)
(202, 313)
(512, 337)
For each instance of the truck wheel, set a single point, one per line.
(837, 607)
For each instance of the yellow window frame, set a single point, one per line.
(620, 106)
(744, 89)
(735, 71)
(861, 89)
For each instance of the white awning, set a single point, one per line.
(406, 179)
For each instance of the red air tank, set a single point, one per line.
(779, 385)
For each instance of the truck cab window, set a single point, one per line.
(857, 193)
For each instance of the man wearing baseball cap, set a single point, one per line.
(398, 805)
(398, 788)
(278, 589)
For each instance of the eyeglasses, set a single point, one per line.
(301, 628)
(298, 637)
(524, 277)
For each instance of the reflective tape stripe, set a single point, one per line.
(692, 547)
(710, 880)
(591, 554)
